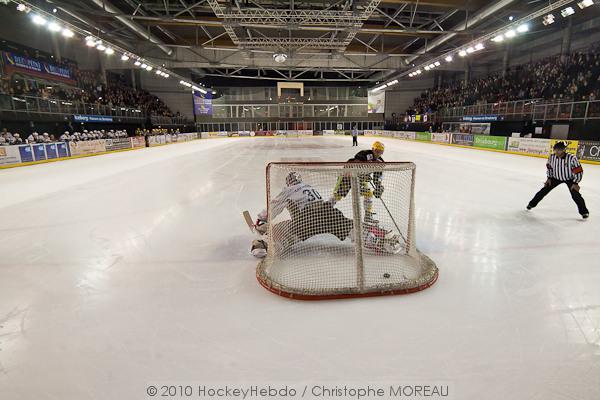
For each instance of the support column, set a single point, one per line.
(505, 59)
(55, 48)
(133, 80)
(565, 50)
(102, 68)
(467, 71)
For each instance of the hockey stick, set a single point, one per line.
(248, 220)
(389, 213)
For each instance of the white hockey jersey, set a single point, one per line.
(301, 195)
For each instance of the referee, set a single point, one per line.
(562, 168)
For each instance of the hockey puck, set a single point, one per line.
(386, 275)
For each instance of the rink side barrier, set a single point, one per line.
(32, 154)
(588, 152)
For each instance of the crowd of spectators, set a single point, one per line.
(92, 91)
(155, 131)
(9, 139)
(556, 78)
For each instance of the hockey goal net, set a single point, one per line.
(342, 230)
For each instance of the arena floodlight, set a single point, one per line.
(470, 50)
(479, 46)
(462, 53)
(109, 51)
(449, 58)
(523, 28)
(392, 82)
(54, 27)
(39, 20)
(280, 57)
(565, 12)
(144, 65)
(548, 19)
(101, 47)
(510, 34)
(66, 32)
(149, 68)
(427, 68)
(167, 75)
(585, 4)
(21, 7)
(437, 63)
(498, 39)
(124, 57)
(137, 63)
(418, 72)
(158, 72)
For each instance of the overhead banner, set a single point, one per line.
(202, 104)
(376, 102)
(16, 63)
(588, 151)
(481, 118)
(92, 118)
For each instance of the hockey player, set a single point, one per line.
(370, 184)
(310, 216)
(562, 167)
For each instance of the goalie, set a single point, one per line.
(311, 216)
(370, 184)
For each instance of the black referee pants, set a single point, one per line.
(577, 198)
(354, 141)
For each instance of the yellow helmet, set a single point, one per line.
(378, 146)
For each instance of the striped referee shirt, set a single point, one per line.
(567, 168)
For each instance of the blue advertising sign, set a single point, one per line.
(39, 151)
(202, 104)
(35, 67)
(63, 150)
(51, 151)
(26, 153)
(92, 118)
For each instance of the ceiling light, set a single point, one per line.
(479, 46)
(427, 68)
(280, 57)
(448, 58)
(90, 43)
(124, 57)
(149, 68)
(392, 82)
(66, 32)
(582, 4)
(432, 66)
(511, 18)
(137, 63)
(498, 39)
(166, 75)
(437, 63)
(523, 28)
(418, 72)
(462, 53)
(470, 50)
(510, 34)
(109, 51)
(548, 19)
(158, 72)
(101, 47)
(54, 27)
(39, 20)
(144, 65)
(567, 11)
(411, 74)
(21, 7)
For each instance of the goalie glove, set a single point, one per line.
(261, 226)
(378, 189)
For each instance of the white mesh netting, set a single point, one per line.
(342, 230)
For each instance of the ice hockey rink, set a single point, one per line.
(128, 270)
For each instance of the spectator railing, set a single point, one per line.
(536, 109)
(28, 104)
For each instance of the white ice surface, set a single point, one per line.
(131, 269)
